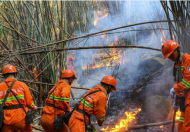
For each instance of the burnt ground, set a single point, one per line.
(158, 83)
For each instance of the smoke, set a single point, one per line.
(139, 62)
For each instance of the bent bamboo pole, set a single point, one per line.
(49, 84)
(91, 34)
(81, 48)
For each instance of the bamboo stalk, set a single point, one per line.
(50, 84)
(17, 58)
(41, 46)
(81, 48)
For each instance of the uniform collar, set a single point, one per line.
(62, 81)
(10, 79)
(99, 86)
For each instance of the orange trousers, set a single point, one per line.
(20, 126)
(181, 122)
(47, 123)
(186, 127)
(76, 122)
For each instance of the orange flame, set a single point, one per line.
(124, 123)
(178, 114)
(96, 21)
(163, 34)
(173, 36)
(115, 56)
(161, 39)
(104, 35)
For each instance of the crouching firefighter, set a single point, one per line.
(57, 104)
(181, 72)
(15, 99)
(94, 102)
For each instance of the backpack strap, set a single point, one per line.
(8, 91)
(91, 93)
(52, 91)
(84, 104)
(16, 98)
(18, 101)
(53, 100)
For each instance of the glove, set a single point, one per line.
(175, 107)
(36, 107)
(172, 93)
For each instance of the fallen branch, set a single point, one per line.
(148, 125)
(152, 124)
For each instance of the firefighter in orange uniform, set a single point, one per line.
(171, 49)
(35, 73)
(14, 115)
(71, 61)
(57, 103)
(94, 102)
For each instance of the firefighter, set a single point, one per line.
(71, 61)
(57, 103)
(181, 72)
(14, 114)
(94, 102)
(35, 73)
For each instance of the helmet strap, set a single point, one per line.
(109, 89)
(70, 80)
(177, 49)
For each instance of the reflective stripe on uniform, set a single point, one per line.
(185, 83)
(32, 104)
(182, 67)
(181, 92)
(86, 103)
(12, 98)
(181, 119)
(58, 98)
(94, 130)
(102, 119)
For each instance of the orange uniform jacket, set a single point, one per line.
(96, 103)
(61, 99)
(184, 85)
(22, 93)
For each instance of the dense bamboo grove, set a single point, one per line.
(179, 28)
(28, 24)
(37, 26)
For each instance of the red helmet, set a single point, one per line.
(110, 81)
(169, 47)
(9, 69)
(68, 74)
